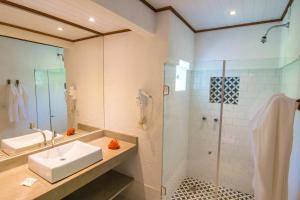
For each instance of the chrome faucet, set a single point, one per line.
(32, 127)
(54, 134)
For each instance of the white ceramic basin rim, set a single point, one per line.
(26, 142)
(62, 161)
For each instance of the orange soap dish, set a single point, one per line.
(114, 144)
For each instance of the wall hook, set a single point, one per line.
(17, 82)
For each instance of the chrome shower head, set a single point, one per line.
(265, 36)
(61, 55)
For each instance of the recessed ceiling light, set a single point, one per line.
(233, 12)
(92, 19)
(60, 29)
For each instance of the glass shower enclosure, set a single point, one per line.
(208, 110)
(50, 97)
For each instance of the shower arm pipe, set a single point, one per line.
(277, 26)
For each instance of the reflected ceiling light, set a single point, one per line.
(60, 29)
(233, 12)
(92, 19)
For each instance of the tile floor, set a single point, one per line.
(193, 189)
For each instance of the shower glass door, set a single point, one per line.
(57, 81)
(192, 110)
(50, 98)
(248, 86)
(207, 147)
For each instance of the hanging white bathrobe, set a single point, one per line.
(272, 133)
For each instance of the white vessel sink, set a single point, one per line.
(22, 143)
(62, 161)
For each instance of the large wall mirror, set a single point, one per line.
(46, 88)
(33, 93)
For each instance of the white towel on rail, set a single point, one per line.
(272, 134)
(13, 115)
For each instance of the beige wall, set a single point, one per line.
(135, 62)
(142, 20)
(132, 62)
(84, 66)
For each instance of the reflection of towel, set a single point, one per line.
(22, 102)
(272, 132)
(12, 104)
(17, 103)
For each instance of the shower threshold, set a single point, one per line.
(193, 189)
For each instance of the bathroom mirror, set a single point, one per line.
(42, 90)
(51, 79)
(33, 91)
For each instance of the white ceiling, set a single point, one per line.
(75, 11)
(203, 14)
(35, 22)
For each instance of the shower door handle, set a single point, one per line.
(52, 116)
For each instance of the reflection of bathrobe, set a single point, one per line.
(272, 132)
(13, 115)
(17, 103)
(22, 102)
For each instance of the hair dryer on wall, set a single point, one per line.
(142, 101)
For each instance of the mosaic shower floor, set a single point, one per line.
(193, 189)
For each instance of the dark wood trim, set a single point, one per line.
(170, 8)
(238, 25)
(30, 41)
(86, 38)
(104, 34)
(116, 32)
(8, 3)
(148, 5)
(34, 31)
(286, 9)
(57, 37)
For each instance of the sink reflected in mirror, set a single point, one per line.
(15, 145)
(62, 161)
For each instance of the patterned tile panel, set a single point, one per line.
(193, 189)
(231, 94)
